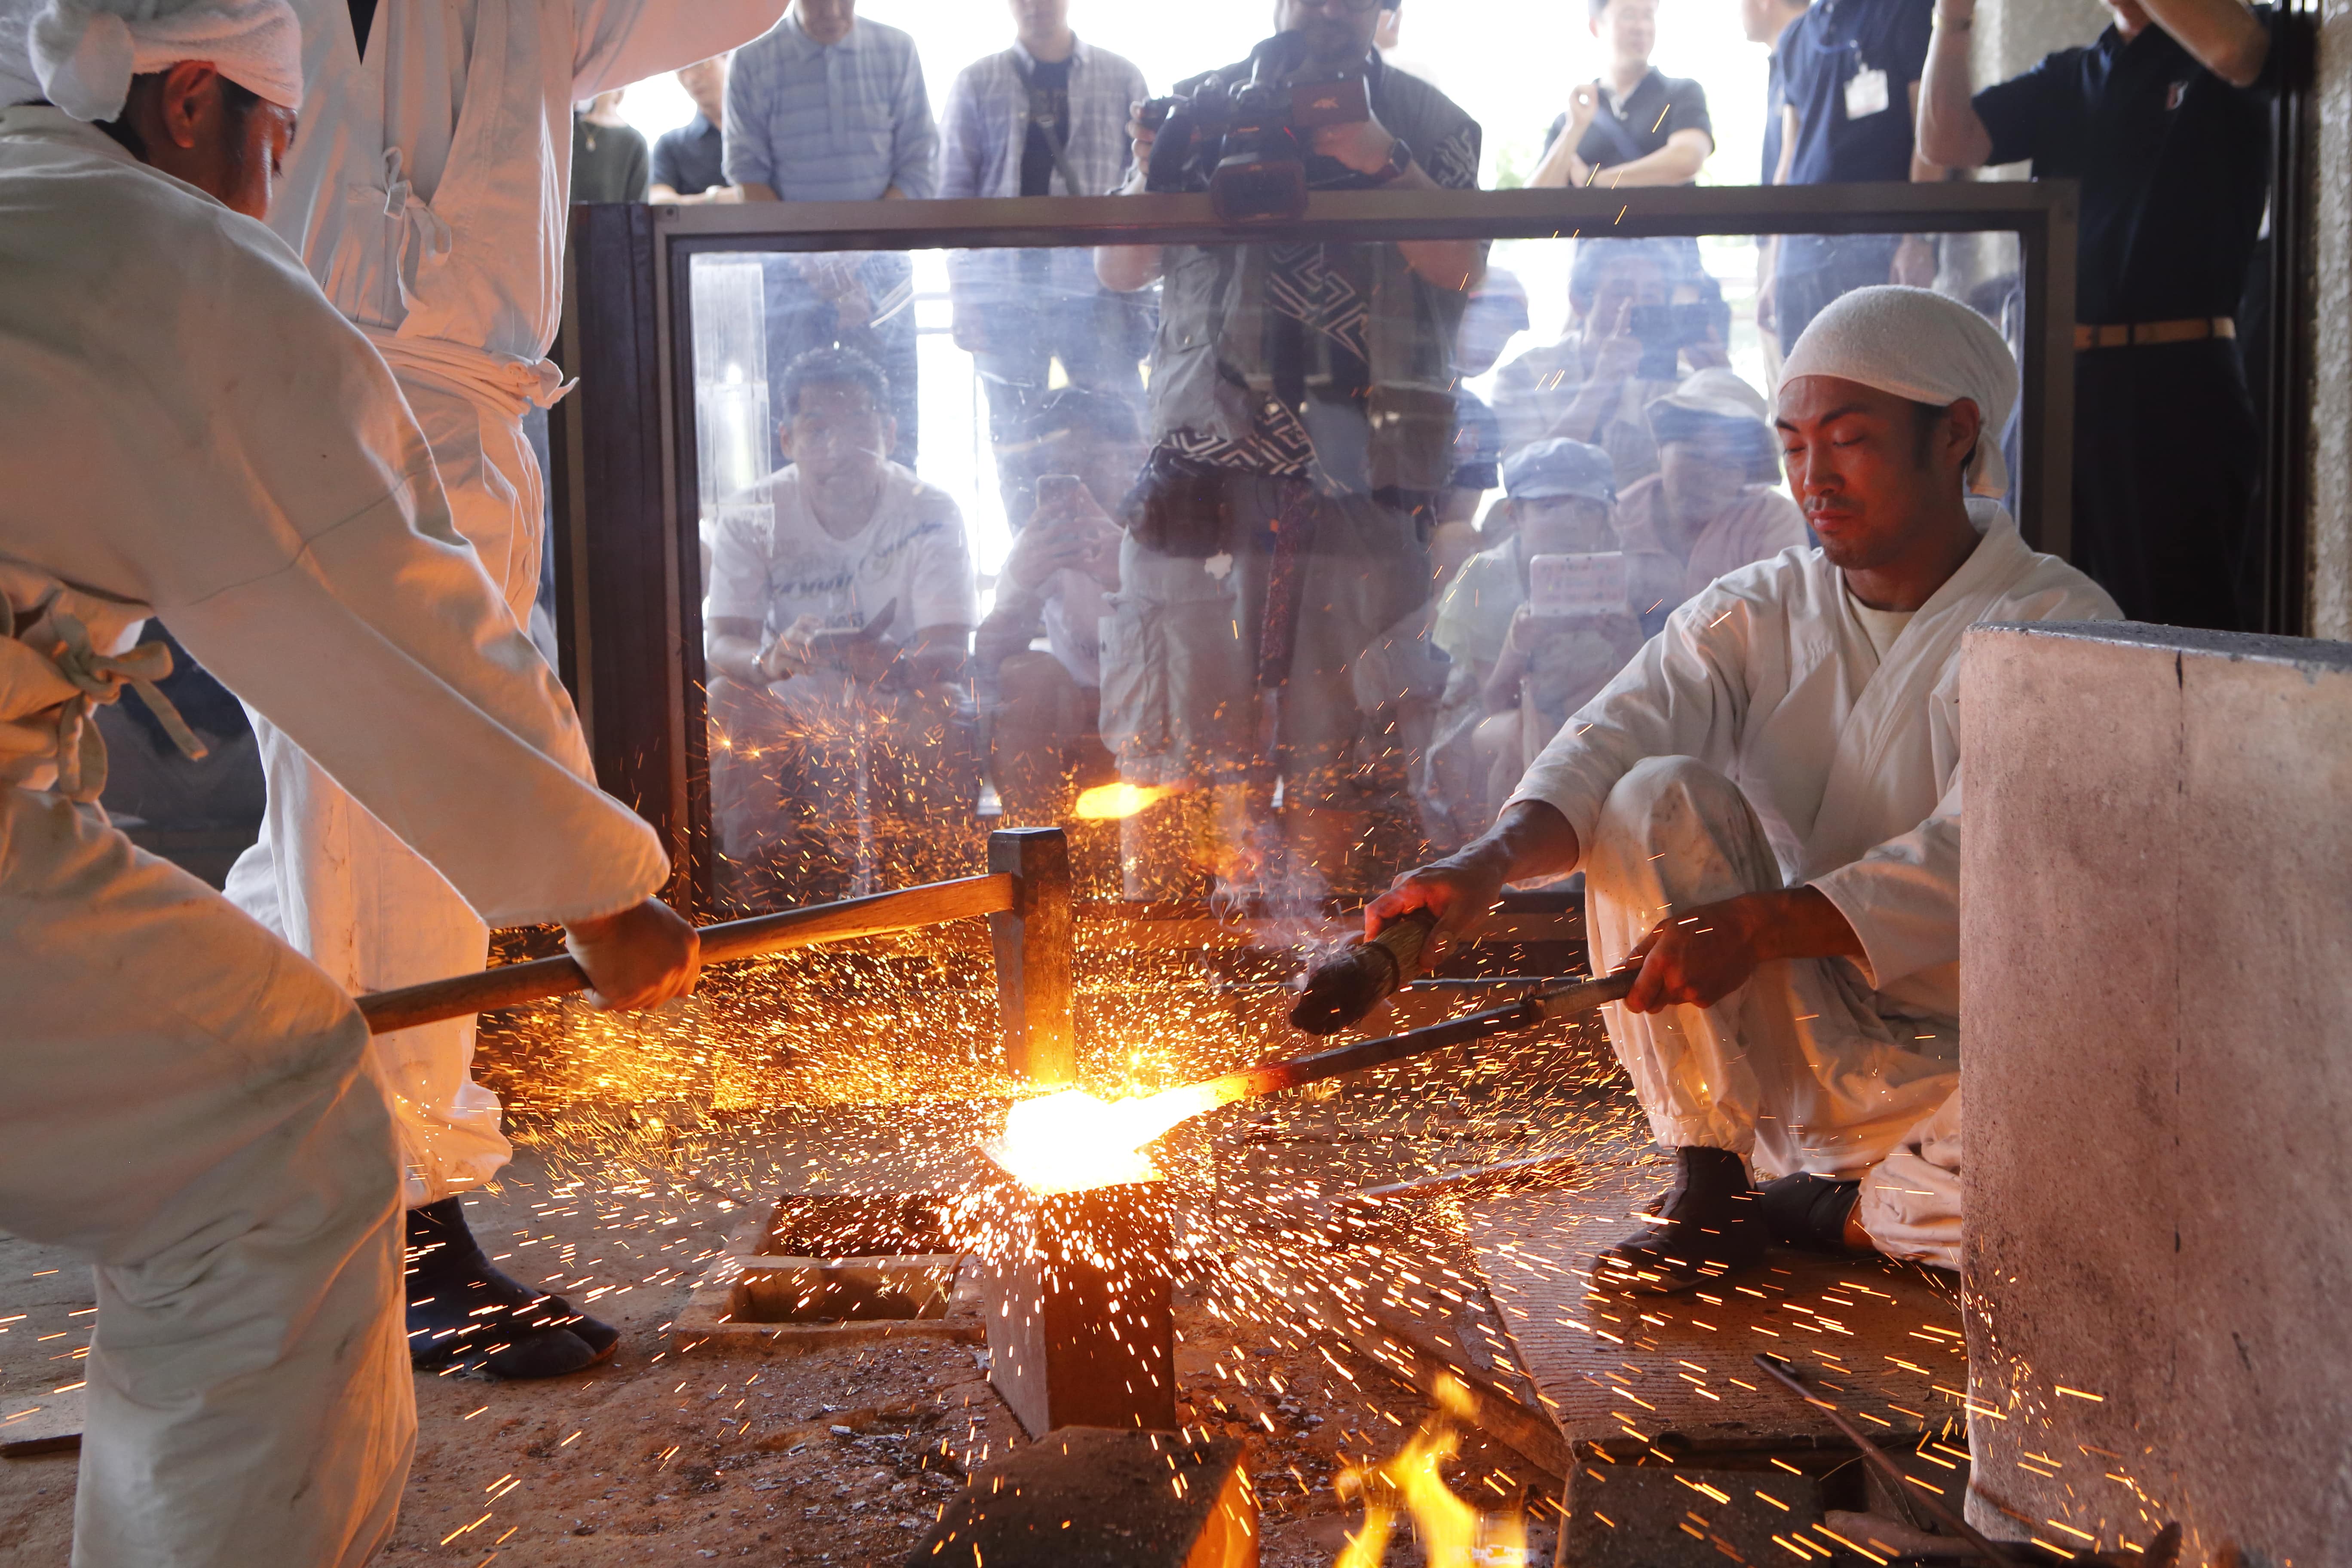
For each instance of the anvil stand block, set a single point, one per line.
(1080, 1310)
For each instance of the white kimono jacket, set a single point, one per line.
(1853, 766)
(428, 189)
(292, 533)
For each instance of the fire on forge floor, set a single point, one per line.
(847, 1454)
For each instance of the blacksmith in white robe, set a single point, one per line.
(188, 429)
(1784, 752)
(427, 194)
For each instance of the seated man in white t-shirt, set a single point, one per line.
(1077, 452)
(840, 607)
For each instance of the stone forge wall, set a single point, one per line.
(2157, 995)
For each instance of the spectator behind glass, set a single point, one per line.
(840, 601)
(689, 163)
(1851, 71)
(1046, 116)
(1593, 385)
(1077, 453)
(1279, 533)
(1767, 22)
(1518, 675)
(1637, 127)
(2166, 122)
(826, 108)
(608, 157)
(1710, 508)
(1389, 38)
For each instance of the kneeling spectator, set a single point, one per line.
(1521, 665)
(1077, 453)
(841, 602)
(1710, 508)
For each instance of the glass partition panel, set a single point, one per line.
(1265, 568)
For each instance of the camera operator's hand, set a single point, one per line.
(1364, 147)
(1144, 138)
(1583, 103)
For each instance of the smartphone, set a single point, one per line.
(1561, 587)
(1062, 494)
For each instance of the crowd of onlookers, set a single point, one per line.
(1260, 570)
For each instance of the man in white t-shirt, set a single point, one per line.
(840, 607)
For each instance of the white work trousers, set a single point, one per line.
(185, 1101)
(1797, 1070)
(337, 884)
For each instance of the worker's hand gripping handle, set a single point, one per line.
(1345, 987)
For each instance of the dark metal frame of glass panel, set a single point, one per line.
(629, 598)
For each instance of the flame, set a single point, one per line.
(1452, 1534)
(1069, 1142)
(1117, 802)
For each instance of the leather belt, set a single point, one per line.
(2145, 334)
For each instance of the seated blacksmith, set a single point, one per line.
(1765, 804)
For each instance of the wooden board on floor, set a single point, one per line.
(45, 1423)
(1882, 1340)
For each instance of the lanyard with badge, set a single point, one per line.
(1866, 90)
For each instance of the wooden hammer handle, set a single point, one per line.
(511, 984)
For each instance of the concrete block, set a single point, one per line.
(1089, 1498)
(1080, 1308)
(2156, 945)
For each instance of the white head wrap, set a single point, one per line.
(85, 52)
(1918, 344)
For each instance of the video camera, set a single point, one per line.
(1248, 142)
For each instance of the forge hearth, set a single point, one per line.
(1093, 1498)
(1075, 1288)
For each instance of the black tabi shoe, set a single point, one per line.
(1809, 1212)
(1709, 1226)
(463, 1311)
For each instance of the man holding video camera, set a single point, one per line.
(1302, 427)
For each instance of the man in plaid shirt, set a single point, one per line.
(1046, 116)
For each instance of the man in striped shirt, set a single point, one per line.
(826, 108)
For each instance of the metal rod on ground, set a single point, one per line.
(1557, 1000)
(511, 984)
(1887, 1467)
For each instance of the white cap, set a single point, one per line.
(1917, 344)
(85, 52)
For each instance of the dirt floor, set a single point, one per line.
(846, 1456)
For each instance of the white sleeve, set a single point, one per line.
(1682, 696)
(738, 568)
(1903, 898)
(267, 490)
(391, 661)
(616, 42)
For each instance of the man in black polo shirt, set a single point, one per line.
(687, 167)
(2166, 120)
(1637, 127)
(1851, 69)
